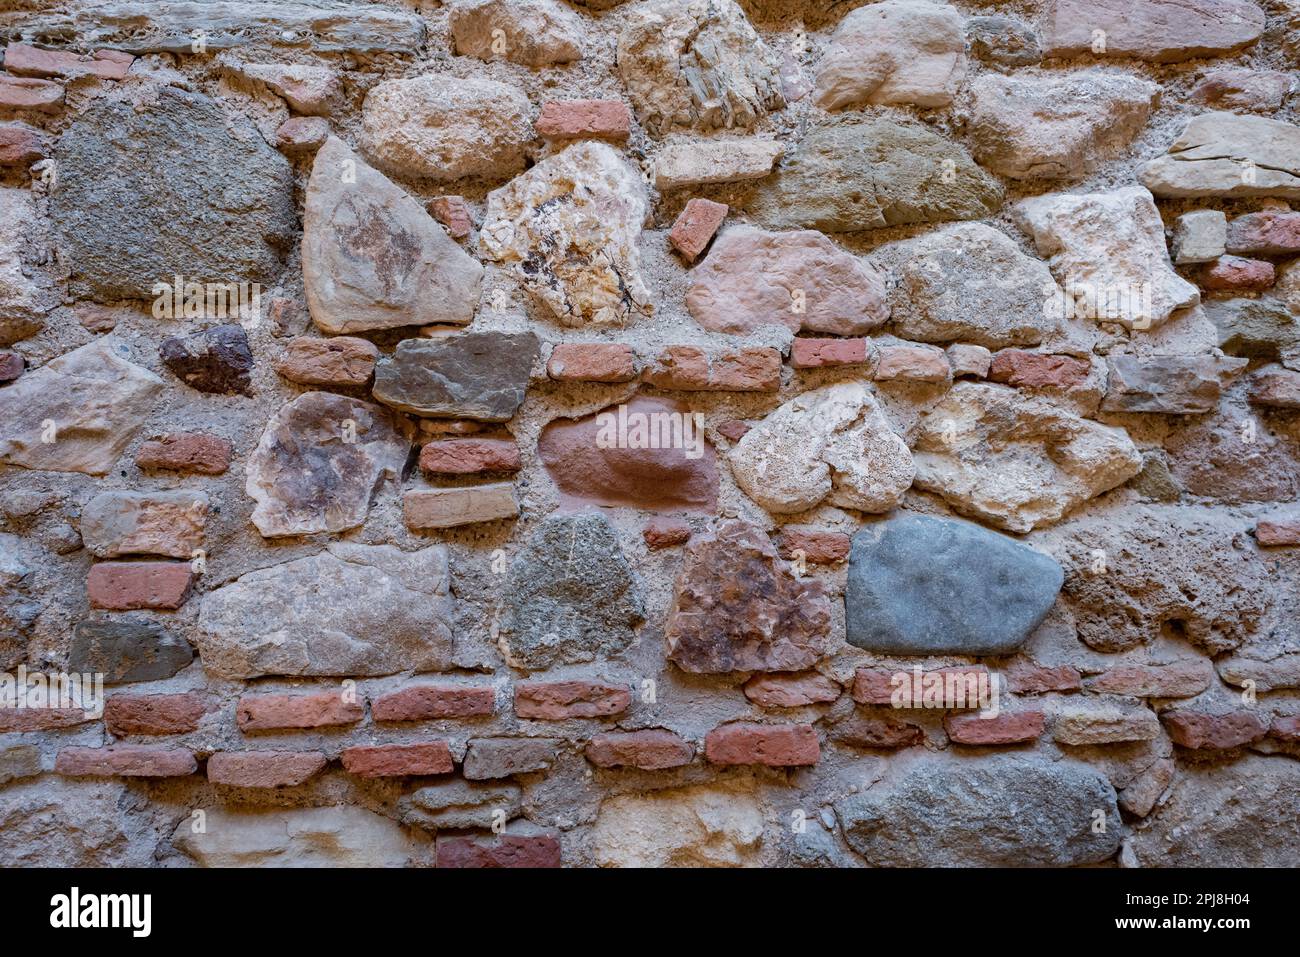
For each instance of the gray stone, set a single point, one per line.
(478, 375)
(1226, 154)
(1003, 811)
(875, 173)
(339, 836)
(489, 758)
(177, 188)
(1199, 236)
(536, 33)
(127, 649)
(572, 595)
(355, 610)
(1161, 31)
(216, 360)
(927, 586)
(20, 604)
(1177, 385)
(19, 761)
(1255, 328)
(22, 245)
(461, 804)
(1003, 41)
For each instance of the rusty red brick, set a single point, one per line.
(398, 760)
(808, 353)
(130, 586)
(558, 700)
(154, 713)
(431, 702)
(695, 227)
(264, 769)
(508, 850)
(592, 362)
(774, 745)
(186, 452)
(271, 712)
(1014, 728)
(584, 119)
(813, 545)
(1201, 731)
(664, 532)
(469, 456)
(126, 761)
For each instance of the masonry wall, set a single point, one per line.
(664, 433)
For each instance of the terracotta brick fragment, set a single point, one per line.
(665, 533)
(186, 452)
(650, 750)
(126, 761)
(695, 227)
(814, 546)
(782, 745)
(976, 729)
(398, 760)
(273, 712)
(1200, 731)
(453, 213)
(264, 769)
(508, 850)
(584, 119)
(791, 690)
(558, 700)
(592, 362)
(129, 586)
(154, 713)
(431, 702)
(469, 456)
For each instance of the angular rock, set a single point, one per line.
(301, 135)
(665, 533)
(1160, 31)
(695, 226)
(372, 258)
(19, 761)
(1255, 328)
(909, 363)
(216, 360)
(1199, 236)
(490, 758)
(427, 508)
(336, 361)
(21, 145)
(650, 750)
(1280, 530)
(1226, 154)
(474, 375)
(1178, 385)
(341, 836)
(568, 229)
(319, 463)
(22, 247)
(22, 59)
(40, 96)
(1235, 274)
(535, 33)
(1269, 232)
(1003, 41)
(709, 825)
(461, 804)
(307, 89)
(20, 601)
(711, 162)
(1260, 91)
(737, 607)
(144, 523)
(832, 443)
(969, 360)
(127, 649)
(904, 574)
(355, 610)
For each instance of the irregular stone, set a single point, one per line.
(592, 362)
(1107, 250)
(1235, 274)
(832, 443)
(319, 463)
(19, 761)
(1000, 811)
(40, 96)
(813, 545)
(818, 353)
(708, 825)
(875, 173)
(969, 360)
(216, 360)
(301, 135)
(276, 712)
(307, 89)
(531, 851)
(372, 258)
(474, 375)
(1023, 677)
(892, 607)
(691, 369)
(560, 700)
(568, 229)
(144, 523)
(736, 607)
(1278, 531)
(1155, 482)
(695, 227)
(125, 760)
(12, 365)
(665, 533)
(909, 363)
(1161, 31)
(650, 750)
(213, 199)
(895, 52)
(383, 611)
(584, 119)
(264, 769)
(22, 59)
(1269, 232)
(715, 161)
(1038, 370)
(1183, 679)
(1002, 41)
(535, 33)
(970, 282)
(791, 691)
(337, 361)
(977, 729)
(154, 713)
(127, 649)
(799, 280)
(571, 596)
(130, 586)
(1226, 154)
(1199, 236)
(490, 758)
(22, 247)
(778, 746)
(20, 601)
(1014, 460)
(649, 453)
(427, 508)
(398, 760)
(1178, 385)
(1260, 91)
(1255, 328)
(456, 804)
(696, 65)
(185, 452)
(21, 145)
(1140, 797)
(469, 456)
(1060, 126)
(453, 212)
(1200, 731)
(446, 128)
(427, 702)
(1079, 725)
(340, 836)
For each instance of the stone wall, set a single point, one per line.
(673, 432)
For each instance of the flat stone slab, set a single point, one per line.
(478, 375)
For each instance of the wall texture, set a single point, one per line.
(632, 405)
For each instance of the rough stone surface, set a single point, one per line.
(185, 452)
(337, 361)
(1179, 385)
(559, 700)
(1199, 236)
(490, 758)
(651, 750)
(475, 375)
(1003, 41)
(23, 245)
(144, 523)
(695, 227)
(1161, 31)
(1260, 91)
(711, 825)
(535, 33)
(460, 804)
(337, 836)
(710, 162)
(791, 691)
(127, 649)
(1226, 154)
(216, 360)
(425, 508)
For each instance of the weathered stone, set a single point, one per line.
(1199, 236)
(792, 690)
(446, 128)
(832, 443)
(1107, 250)
(977, 729)
(130, 586)
(398, 760)
(341, 836)
(568, 230)
(695, 226)
(1105, 723)
(895, 52)
(12, 365)
(715, 161)
(530, 851)
(1183, 679)
(559, 700)
(301, 135)
(1280, 530)
(216, 360)
(778, 746)
(354, 610)
(126, 714)
(737, 607)
(661, 532)
(710, 825)
(177, 188)
(1236, 274)
(1178, 385)
(649, 453)
(571, 596)
(453, 212)
(1269, 232)
(23, 244)
(905, 572)
(1056, 127)
(264, 769)
(125, 760)
(696, 65)
(426, 508)
(307, 89)
(275, 712)
(20, 601)
(1017, 461)
(1140, 796)
(127, 649)
(319, 463)
(1200, 731)
(19, 761)
(21, 145)
(813, 545)
(966, 359)
(911, 363)
(535, 33)
(185, 452)
(460, 804)
(372, 258)
(875, 173)
(650, 750)
(1260, 91)
(864, 730)
(1003, 41)
(691, 369)
(22, 59)
(808, 353)
(584, 119)
(490, 758)
(474, 375)
(1226, 154)
(336, 361)
(1161, 31)
(469, 456)
(39, 96)
(970, 282)
(799, 280)
(144, 523)
(1255, 328)
(592, 362)
(1038, 370)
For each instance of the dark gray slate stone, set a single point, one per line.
(216, 360)
(478, 375)
(1174, 385)
(930, 586)
(169, 190)
(127, 649)
(572, 596)
(1255, 328)
(1004, 811)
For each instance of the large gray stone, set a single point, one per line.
(478, 375)
(572, 595)
(1255, 328)
(339, 836)
(1001, 811)
(22, 245)
(176, 188)
(1161, 31)
(20, 602)
(127, 649)
(1177, 385)
(928, 586)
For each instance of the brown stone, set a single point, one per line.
(1236, 89)
(1184, 679)
(1285, 728)
(40, 719)
(791, 691)
(508, 850)
(695, 226)
(1038, 370)
(650, 750)
(398, 760)
(430, 702)
(733, 430)
(1278, 531)
(24, 60)
(170, 524)
(737, 607)
(337, 361)
(691, 369)
(584, 119)
(558, 700)
(1023, 677)
(154, 713)
(912, 364)
(425, 508)
(813, 545)
(1003, 729)
(20, 145)
(272, 712)
(302, 135)
(453, 213)
(129, 586)
(778, 746)
(815, 353)
(264, 769)
(489, 758)
(1212, 732)
(866, 731)
(665, 533)
(1269, 232)
(592, 362)
(469, 456)
(1276, 388)
(1235, 274)
(185, 452)
(11, 366)
(24, 94)
(127, 761)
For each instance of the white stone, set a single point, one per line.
(1224, 154)
(535, 33)
(716, 825)
(21, 238)
(1200, 236)
(337, 836)
(715, 161)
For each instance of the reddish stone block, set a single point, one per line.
(876, 733)
(469, 456)
(1270, 232)
(912, 364)
(1038, 370)
(22, 59)
(431, 702)
(1184, 679)
(1211, 732)
(756, 369)
(592, 362)
(453, 213)
(815, 353)
(813, 545)
(264, 769)
(302, 135)
(1235, 274)
(129, 586)
(733, 430)
(558, 700)
(650, 750)
(11, 366)
(40, 719)
(1024, 677)
(186, 452)
(20, 145)
(878, 685)
(508, 850)
(680, 367)
(778, 746)
(696, 226)
(665, 533)
(126, 761)
(791, 691)
(18, 93)
(1278, 531)
(584, 119)
(271, 712)
(398, 760)
(1002, 729)
(154, 713)
(332, 361)
(1285, 728)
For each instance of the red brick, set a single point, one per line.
(469, 456)
(398, 760)
(128, 586)
(301, 135)
(331, 361)
(696, 226)
(186, 452)
(40, 719)
(430, 702)
(11, 366)
(733, 430)
(1234, 274)
(912, 364)
(1183, 679)
(1269, 232)
(154, 713)
(508, 850)
(817, 547)
(877, 685)
(558, 700)
(1286, 728)
(665, 533)
(592, 362)
(1210, 732)
(271, 712)
(18, 93)
(690, 369)
(20, 145)
(1038, 370)
(1283, 531)
(791, 690)
(775, 745)
(452, 212)
(24, 60)
(1024, 677)
(127, 761)
(584, 119)
(264, 769)
(814, 353)
(1004, 729)
(651, 750)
